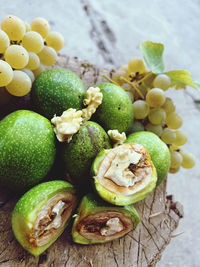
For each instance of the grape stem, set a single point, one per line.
(110, 80)
(144, 78)
(133, 86)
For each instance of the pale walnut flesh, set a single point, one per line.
(52, 218)
(93, 100)
(112, 227)
(66, 125)
(117, 137)
(126, 169)
(119, 171)
(104, 225)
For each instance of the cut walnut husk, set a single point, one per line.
(97, 222)
(42, 214)
(124, 174)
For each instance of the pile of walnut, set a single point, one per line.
(66, 125)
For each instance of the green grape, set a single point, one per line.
(33, 42)
(16, 56)
(55, 40)
(34, 61)
(157, 129)
(4, 96)
(174, 170)
(14, 27)
(143, 91)
(41, 26)
(148, 81)
(181, 138)
(188, 160)
(4, 41)
(38, 70)
(29, 73)
(136, 65)
(155, 97)
(176, 160)
(174, 148)
(168, 106)
(162, 81)
(157, 116)
(168, 136)
(137, 126)
(20, 84)
(48, 56)
(141, 109)
(124, 68)
(28, 27)
(127, 87)
(130, 94)
(173, 121)
(6, 73)
(117, 77)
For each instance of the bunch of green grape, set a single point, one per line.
(24, 50)
(153, 110)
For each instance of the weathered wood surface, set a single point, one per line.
(140, 248)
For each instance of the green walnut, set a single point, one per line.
(80, 152)
(42, 214)
(27, 149)
(97, 222)
(157, 149)
(116, 109)
(124, 175)
(56, 90)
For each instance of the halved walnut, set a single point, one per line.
(52, 218)
(126, 169)
(124, 175)
(104, 225)
(97, 222)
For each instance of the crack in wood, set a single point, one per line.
(6, 230)
(68, 257)
(4, 261)
(150, 234)
(147, 261)
(156, 231)
(137, 241)
(124, 251)
(152, 203)
(42, 259)
(114, 256)
(9, 243)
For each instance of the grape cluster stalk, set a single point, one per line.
(24, 50)
(153, 110)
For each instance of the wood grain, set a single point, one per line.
(141, 248)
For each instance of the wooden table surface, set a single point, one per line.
(159, 214)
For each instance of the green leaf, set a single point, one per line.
(197, 85)
(153, 56)
(180, 78)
